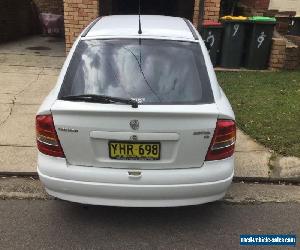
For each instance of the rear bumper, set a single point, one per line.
(169, 188)
(135, 195)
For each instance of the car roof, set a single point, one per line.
(152, 26)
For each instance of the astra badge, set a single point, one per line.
(134, 124)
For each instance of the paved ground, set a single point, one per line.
(32, 220)
(255, 161)
(29, 69)
(60, 225)
(26, 78)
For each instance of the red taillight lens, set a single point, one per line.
(223, 142)
(46, 137)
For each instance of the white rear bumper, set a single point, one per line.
(135, 195)
(156, 188)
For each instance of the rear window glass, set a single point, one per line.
(149, 71)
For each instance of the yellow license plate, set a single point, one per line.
(148, 151)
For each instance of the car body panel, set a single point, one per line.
(194, 125)
(154, 188)
(135, 196)
(209, 172)
(127, 25)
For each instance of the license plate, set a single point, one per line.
(147, 151)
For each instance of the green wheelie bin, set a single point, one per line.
(260, 41)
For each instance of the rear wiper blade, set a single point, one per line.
(100, 99)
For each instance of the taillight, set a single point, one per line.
(223, 142)
(47, 140)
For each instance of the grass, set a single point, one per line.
(267, 107)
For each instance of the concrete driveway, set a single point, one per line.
(28, 70)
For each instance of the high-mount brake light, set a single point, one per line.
(223, 142)
(46, 137)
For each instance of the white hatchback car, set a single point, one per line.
(137, 118)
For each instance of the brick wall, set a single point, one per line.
(78, 14)
(284, 54)
(196, 13)
(277, 57)
(293, 53)
(256, 4)
(16, 22)
(291, 57)
(212, 10)
(50, 6)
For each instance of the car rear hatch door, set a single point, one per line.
(183, 132)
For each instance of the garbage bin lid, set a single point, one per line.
(211, 23)
(234, 18)
(262, 19)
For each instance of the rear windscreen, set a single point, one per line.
(149, 71)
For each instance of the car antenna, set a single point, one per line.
(140, 25)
